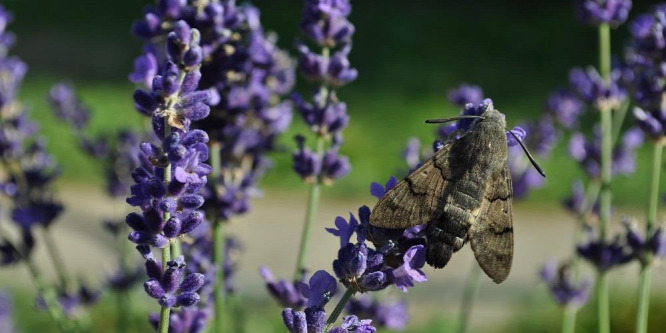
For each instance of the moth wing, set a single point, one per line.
(491, 236)
(418, 198)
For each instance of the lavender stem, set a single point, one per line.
(469, 296)
(338, 308)
(56, 258)
(218, 238)
(313, 202)
(603, 307)
(47, 294)
(646, 269)
(166, 251)
(218, 260)
(569, 320)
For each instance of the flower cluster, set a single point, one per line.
(28, 171)
(540, 138)
(465, 94)
(169, 204)
(389, 314)
(247, 74)
(563, 286)
(318, 292)
(605, 255)
(645, 57)
(590, 87)
(576, 201)
(645, 248)
(118, 153)
(168, 286)
(326, 24)
(588, 152)
(565, 107)
(458, 128)
(286, 293)
(597, 12)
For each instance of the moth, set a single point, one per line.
(464, 194)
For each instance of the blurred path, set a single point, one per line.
(269, 235)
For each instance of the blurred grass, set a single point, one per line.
(380, 127)
(538, 314)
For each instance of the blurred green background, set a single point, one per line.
(408, 53)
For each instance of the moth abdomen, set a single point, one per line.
(445, 236)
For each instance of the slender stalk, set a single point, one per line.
(338, 308)
(646, 268)
(603, 306)
(123, 299)
(311, 210)
(469, 296)
(569, 320)
(218, 239)
(315, 188)
(166, 251)
(48, 295)
(218, 260)
(56, 258)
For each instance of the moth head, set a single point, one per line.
(492, 115)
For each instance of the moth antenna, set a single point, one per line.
(529, 156)
(446, 120)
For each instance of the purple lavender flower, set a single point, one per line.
(465, 94)
(645, 57)
(351, 324)
(565, 107)
(591, 88)
(169, 204)
(319, 291)
(326, 22)
(457, 129)
(597, 12)
(286, 293)
(367, 269)
(588, 153)
(378, 191)
(604, 256)
(574, 203)
(67, 107)
(541, 138)
(29, 171)
(171, 289)
(184, 320)
(644, 248)
(389, 314)
(566, 291)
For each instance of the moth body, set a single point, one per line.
(464, 194)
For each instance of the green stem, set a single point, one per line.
(218, 238)
(605, 195)
(469, 296)
(311, 210)
(123, 299)
(603, 308)
(646, 269)
(338, 308)
(618, 119)
(569, 320)
(218, 260)
(166, 251)
(56, 258)
(315, 188)
(47, 294)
